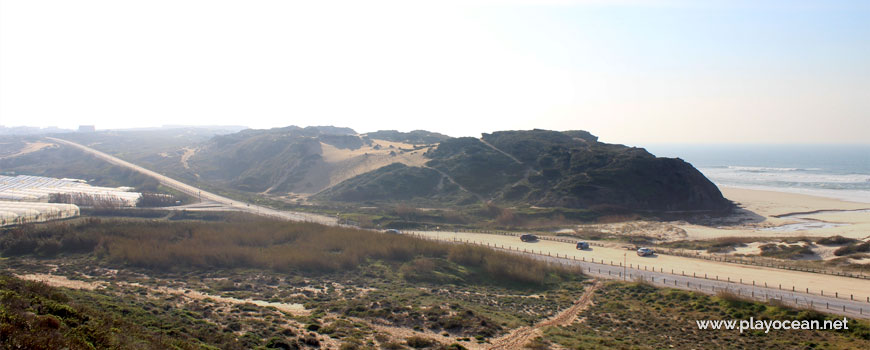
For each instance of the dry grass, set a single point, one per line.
(246, 242)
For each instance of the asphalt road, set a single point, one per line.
(753, 282)
(227, 203)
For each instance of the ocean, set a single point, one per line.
(834, 171)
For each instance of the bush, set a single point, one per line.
(417, 342)
(853, 248)
(836, 240)
(785, 251)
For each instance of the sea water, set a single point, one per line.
(835, 171)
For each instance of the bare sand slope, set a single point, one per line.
(343, 164)
(31, 147)
(62, 281)
(774, 277)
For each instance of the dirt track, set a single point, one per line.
(519, 337)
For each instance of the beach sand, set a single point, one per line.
(769, 205)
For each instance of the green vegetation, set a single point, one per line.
(67, 162)
(639, 316)
(474, 165)
(36, 316)
(718, 245)
(858, 247)
(791, 248)
(345, 277)
(835, 240)
(412, 137)
(785, 251)
(558, 170)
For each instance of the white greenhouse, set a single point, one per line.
(16, 213)
(41, 189)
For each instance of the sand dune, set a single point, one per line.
(343, 164)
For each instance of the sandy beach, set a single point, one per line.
(771, 206)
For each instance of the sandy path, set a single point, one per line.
(845, 286)
(500, 151)
(185, 158)
(523, 335)
(30, 148)
(294, 309)
(62, 281)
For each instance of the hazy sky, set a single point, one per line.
(629, 71)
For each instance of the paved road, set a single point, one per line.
(685, 273)
(206, 196)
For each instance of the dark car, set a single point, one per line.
(582, 245)
(393, 231)
(528, 238)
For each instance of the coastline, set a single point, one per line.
(774, 209)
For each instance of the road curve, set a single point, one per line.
(231, 204)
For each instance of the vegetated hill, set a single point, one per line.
(413, 137)
(63, 161)
(577, 172)
(569, 169)
(544, 168)
(475, 166)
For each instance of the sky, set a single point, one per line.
(631, 72)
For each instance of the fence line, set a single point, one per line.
(682, 273)
(674, 252)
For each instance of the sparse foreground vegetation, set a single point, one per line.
(200, 280)
(193, 282)
(640, 316)
(36, 316)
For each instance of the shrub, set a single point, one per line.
(417, 342)
(853, 248)
(836, 240)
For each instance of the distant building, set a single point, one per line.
(87, 128)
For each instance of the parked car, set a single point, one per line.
(393, 231)
(528, 238)
(645, 252)
(582, 245)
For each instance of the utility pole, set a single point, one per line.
(624, 260)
